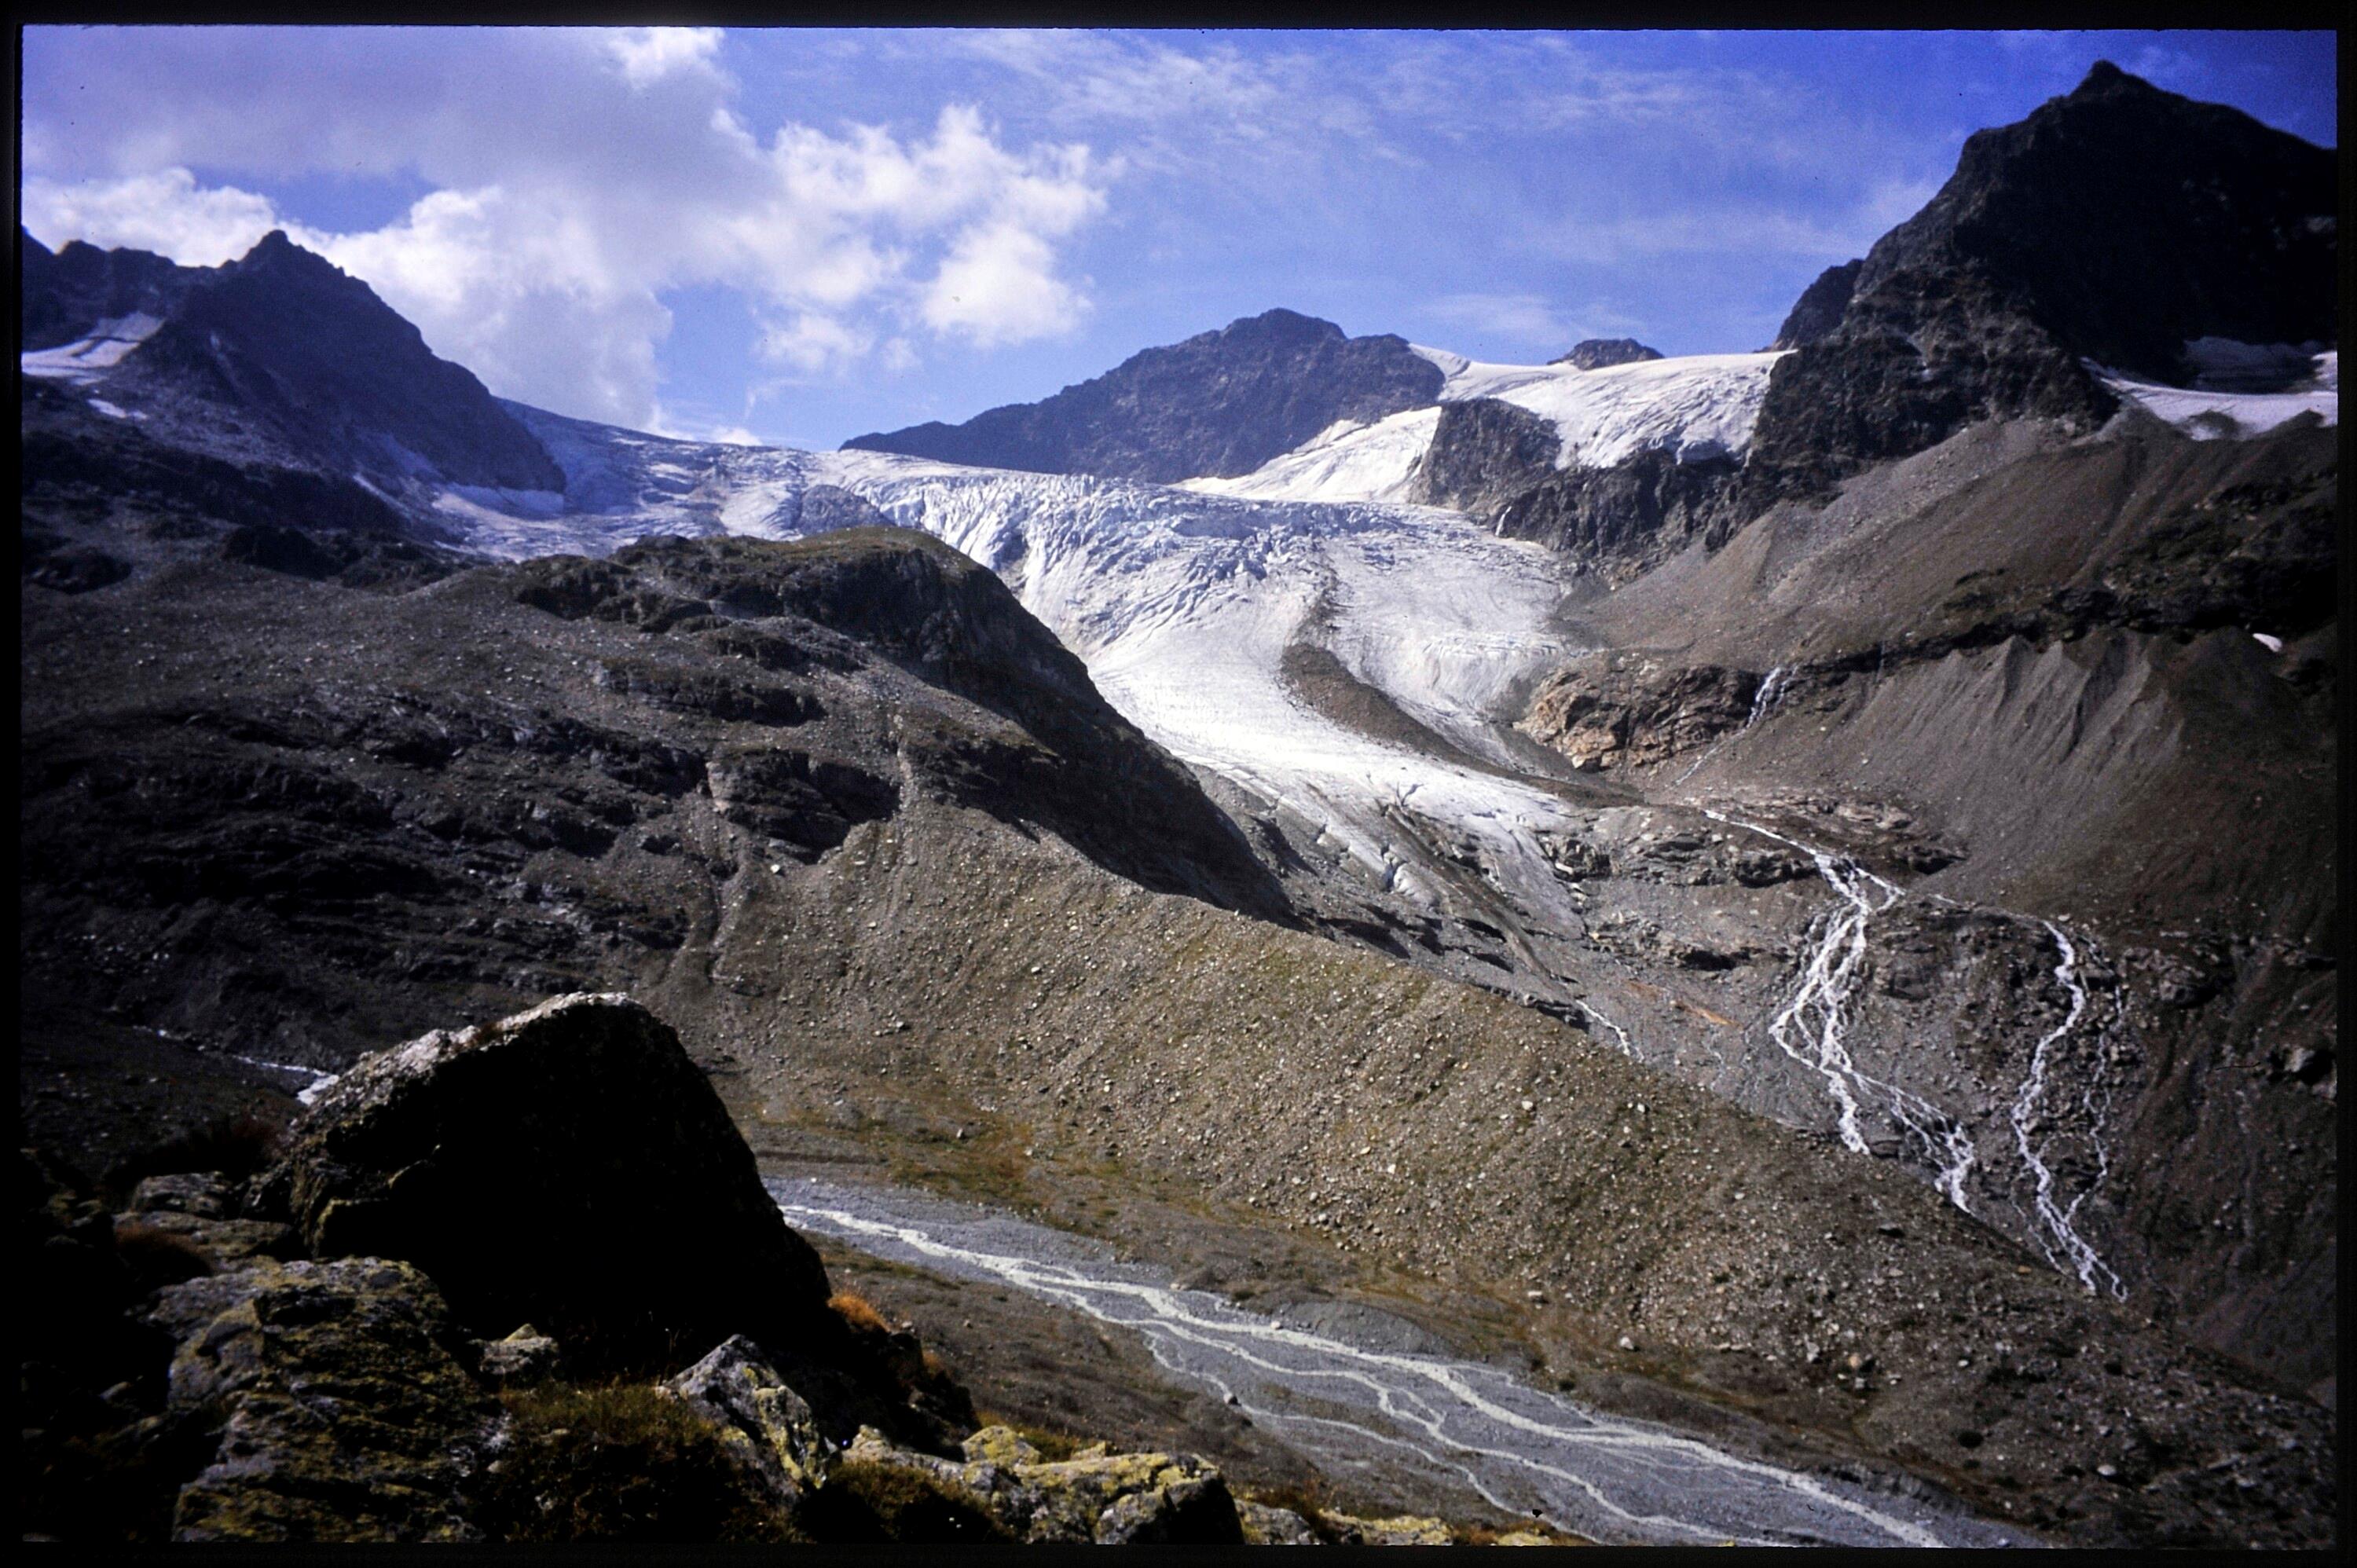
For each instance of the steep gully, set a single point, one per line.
(1383, 1415)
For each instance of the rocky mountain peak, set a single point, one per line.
(2116, 225)
(1596, 353)
(1221, 403)
(311, 368)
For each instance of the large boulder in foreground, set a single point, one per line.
(568, 1167)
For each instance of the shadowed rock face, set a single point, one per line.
(1219, 404)
(569, 1167)
(2115, 224)
(1819, 309)
(67, 291)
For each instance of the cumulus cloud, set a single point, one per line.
(649, 54)
(578, 176)
(162, 211)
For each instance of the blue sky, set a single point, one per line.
(797, 236)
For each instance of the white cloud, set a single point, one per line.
(813, 343)
(998, 285)
(577, 176)
(163, 211)
(1516, 318)
(647, 55)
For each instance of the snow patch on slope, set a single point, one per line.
(2208, 413)
(1693, 408)
(1345, 462)
(87, 361)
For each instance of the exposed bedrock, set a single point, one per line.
(1623, 710)
(2037, 254)
(1220, 403)
(1497, 462)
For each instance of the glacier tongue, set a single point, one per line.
(1182, 606)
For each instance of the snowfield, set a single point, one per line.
(1693, 407)
(1701, 406)
(2209, 415)
(1344, 462)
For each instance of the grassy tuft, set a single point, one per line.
(863, 1501)
(858, 1312)
(619, 1462)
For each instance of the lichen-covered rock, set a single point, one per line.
(208, 1195)
(1107, 1498)
(1266, 1525)
(342, 1413)
(765, 1426)
(569, 1167)
(522, 1359)
(1401, 1530)
(1001, 1446)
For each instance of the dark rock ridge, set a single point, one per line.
(67, 291)
(1820, 308)
(1626, 519)
(2116, 223)
(695, 709)
(283, 358)
(1596, 353)
(1220, 403)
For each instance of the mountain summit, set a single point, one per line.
(2119, 223)
(1220, 403)
(280, 355)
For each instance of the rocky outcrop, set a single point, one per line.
(1623, 710)
(1220, 403)
(1820, 308)
(342, 1413)
(1095, 1497)
(1485, 452)
(568, 1166)
(2039, 254)
(1627, 519)
(1596, 353)
(766, 1427)
(1497, 462)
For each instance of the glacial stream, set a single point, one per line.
(1395, 1422)
(1810, 1028)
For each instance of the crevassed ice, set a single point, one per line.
(1180, 604)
